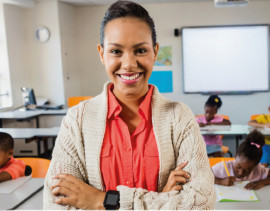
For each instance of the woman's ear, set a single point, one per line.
(156, 49)
(101, 53)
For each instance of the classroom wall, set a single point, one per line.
(71, 70)
(167, 17)
(31, 63)
(93, 75)
(4, 64)
(15, 38)
(44, 59)
(68, 64)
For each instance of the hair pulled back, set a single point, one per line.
(122, 9)
(251, 148)
(214, 101)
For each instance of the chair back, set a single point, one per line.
(72, 101)
(254, 116)
(39, 166)
(213, 161)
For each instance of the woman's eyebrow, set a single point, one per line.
(116, 44)
(139, 44)
(135, 46)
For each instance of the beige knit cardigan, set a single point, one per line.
(78, 146)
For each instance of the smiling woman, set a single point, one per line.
(129, 147)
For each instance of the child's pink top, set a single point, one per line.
(258, 173)
(15, 167)
(211, 140)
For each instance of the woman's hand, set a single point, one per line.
(76, 193)
(255, 185)
(177, 179)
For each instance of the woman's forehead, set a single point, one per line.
(127, 29)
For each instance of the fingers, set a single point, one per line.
(67, 177)
(253, 186)
(62, 183)
(231, 181)
(181, 166)
(61, 191)
(177, 187)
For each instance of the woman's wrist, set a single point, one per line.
(100, 200)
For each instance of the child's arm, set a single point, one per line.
(4, 176)
(258, 184)
(254, 123)
(224, 122)
(228, 181)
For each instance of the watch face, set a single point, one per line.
(112, 200)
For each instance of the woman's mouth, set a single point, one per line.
(130, 78)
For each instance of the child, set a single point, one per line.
(263, 121)
(213, 142)
(246, 165)
(10, 168)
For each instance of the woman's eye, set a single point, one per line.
(115, 51)
(141, 51)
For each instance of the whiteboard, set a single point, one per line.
(225, 59)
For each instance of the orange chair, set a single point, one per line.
(224, 149)
(254, 116)
(213, 161)
(39, 166)
(72, 101)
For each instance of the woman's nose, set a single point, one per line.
(129, 61)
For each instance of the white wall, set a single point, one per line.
(16, 51)
(71, 71)
(44, 59)
(167, 17)
(68, 64)
(5, 101)
(93, 75)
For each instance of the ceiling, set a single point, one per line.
(108, 2)
(105, 2)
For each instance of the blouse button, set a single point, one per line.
(128, 182)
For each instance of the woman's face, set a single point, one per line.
(128, 56)
(243, 166)
(210, 112)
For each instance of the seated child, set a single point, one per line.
(10, 168)
(246, 165)
(213, 142)
(263, 121)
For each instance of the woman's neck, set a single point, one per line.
(129, 113)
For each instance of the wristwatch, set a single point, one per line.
(112, 200)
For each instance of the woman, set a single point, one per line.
(129, 141)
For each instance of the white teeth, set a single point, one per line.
(130, 77)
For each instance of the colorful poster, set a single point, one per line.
(163, 81)
(164, 57)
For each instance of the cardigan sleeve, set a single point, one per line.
(66, 158)
(199, 192)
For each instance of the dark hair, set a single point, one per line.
(6, 142)
(124, 8)
(251, 148)
(214, 101)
